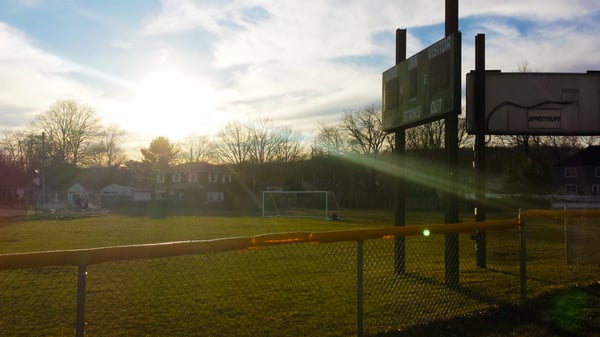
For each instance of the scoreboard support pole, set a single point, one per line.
(400, 185)
(451, 257)
(479, 160)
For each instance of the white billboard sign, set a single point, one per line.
(538, 103)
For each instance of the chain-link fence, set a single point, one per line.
(562, 249)
(295, 284)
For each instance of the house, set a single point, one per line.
(115, 194)
(577, 180)
(77, 196)
(579, 174)
(141, 195)
(194, 185)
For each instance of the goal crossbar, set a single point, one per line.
(299, 204)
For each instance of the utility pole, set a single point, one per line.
(43, 171)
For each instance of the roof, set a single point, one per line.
(587, 157)
(77, 187)
(116, 187)
(192, 167)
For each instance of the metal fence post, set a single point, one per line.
(359, 288)
(522, 256)
(80, 320)
(566, 222)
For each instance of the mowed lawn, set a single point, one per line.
(114, 229)
(284, 290)
(267, 291)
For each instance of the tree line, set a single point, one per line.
(70, 135)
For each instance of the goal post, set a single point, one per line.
(301, 204)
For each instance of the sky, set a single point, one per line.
(174, 67)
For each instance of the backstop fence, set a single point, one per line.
(342, 283)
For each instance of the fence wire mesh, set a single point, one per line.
(420, 295)
(295, 289)
(264, 291)
(561, 251)
(38, 301)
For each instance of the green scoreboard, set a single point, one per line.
(423, 88)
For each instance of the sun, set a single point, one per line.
(173, 104)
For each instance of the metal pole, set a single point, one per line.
(327, 205)
(451, 142)
(43, 171)
(480, 210)
(565, 223)
(522, 257)
(400, 149)
(80, 320)
(359, 288)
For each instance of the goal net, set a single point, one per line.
(301, 204)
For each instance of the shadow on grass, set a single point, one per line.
(571, 312)
(464, 291)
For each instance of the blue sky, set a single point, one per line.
(173, 67)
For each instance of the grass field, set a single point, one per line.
(286, 290)
(112, 230)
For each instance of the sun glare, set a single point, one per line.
(173, 105)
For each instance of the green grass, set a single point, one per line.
(284, 290)
(114, 230)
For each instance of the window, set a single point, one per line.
(597, 172)
(596, 189)
(570, 189)
(176, 177)
(213, 177)
(570, 172)
(192, 177)
(226, 178)
(160, 178)
(161, 195)
(215, 197)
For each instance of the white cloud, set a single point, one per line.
(282, 59)
(30, 3)
(283, 63)
(33, 79)
(534, 10)
(180, 15)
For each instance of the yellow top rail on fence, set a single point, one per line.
(83, 257)
(544, 213)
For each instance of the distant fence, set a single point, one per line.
(339, 283)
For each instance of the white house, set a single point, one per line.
(116, 191)
(142, 196)
(76, 195)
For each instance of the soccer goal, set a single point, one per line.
(301, 204)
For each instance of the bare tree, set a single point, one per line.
(107, 152)
(23, 148)
(290, 147)
(259, 142)
(233, 143)
(263, 142)
(196, 148)
(330, 140)
(590, 140)
(70, 129)
(12, 145)
(428, 136)
(365, 129)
